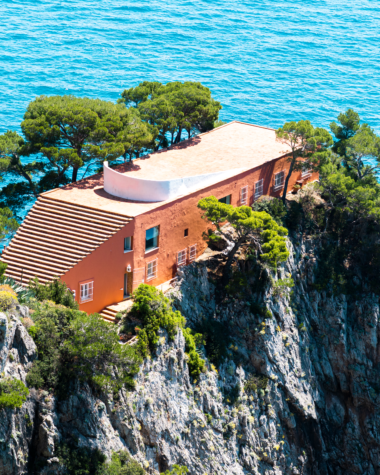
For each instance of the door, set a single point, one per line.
(125, 285)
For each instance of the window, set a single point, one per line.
(259, 185)
(192, 253)
(186, 233)
(226, 200)
(244, 195)
(128, 244)
(151, 270)
(151, 238)
(305, 173)
(86, 291)
(181, 258)
(279, 179)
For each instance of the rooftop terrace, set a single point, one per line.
(222, 152)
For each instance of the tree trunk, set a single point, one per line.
(29, 179)
(75, 175)
(288, 177)
(231, 255)
(178, 138)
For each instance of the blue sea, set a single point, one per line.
(267, 61)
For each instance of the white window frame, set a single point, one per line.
(306, 173)
(244, 195)
(152, 273)
(181, 257)
(87, 291)
(259, 188)
(192, 253)
(278, 186)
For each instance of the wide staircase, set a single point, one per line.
(55, 236)
(109, 313)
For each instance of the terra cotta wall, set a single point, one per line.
(107, 265)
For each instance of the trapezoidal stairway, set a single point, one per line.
(55, 236)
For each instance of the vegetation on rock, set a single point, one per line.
(154, 310)
(73, 345)
(258, 227)
(13, 393)
(7, 300)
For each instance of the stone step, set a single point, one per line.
(67, 228)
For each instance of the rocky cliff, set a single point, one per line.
(298, 392)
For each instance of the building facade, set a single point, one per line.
(137, 223)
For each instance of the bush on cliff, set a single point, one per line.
(56, 291)
(122, 464)
(154, 310)
(7, 300)
(73, 345)
(257, 227)
(85, 461)
(13, 393)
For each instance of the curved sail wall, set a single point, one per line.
(141, 189)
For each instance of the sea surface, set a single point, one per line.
(267, 61)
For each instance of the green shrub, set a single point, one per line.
(7, 300)
(273, 206)
(80, 460)
(72, 344)
(93, 351)
(55, 291)
(13, 393)
(195, 363)
(177, 470)
(122, 464)
(281, 287)
(50, 330)
(154, 311)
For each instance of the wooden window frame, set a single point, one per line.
(256, 196)
(90, 283)
(192, 253)
(181, 258)
(153, 275)
(278, 187)
(244, 195)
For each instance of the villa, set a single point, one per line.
(139, 222)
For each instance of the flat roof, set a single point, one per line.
(236, 145)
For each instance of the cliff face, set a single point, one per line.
(321, 352)
(317, 413)
(17, 352)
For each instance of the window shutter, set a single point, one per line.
(244, 195)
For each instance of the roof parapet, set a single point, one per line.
(141, 189)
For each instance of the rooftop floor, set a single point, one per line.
(233, 146)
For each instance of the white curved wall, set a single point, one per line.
(139, 189)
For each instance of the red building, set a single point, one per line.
(138, 222)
